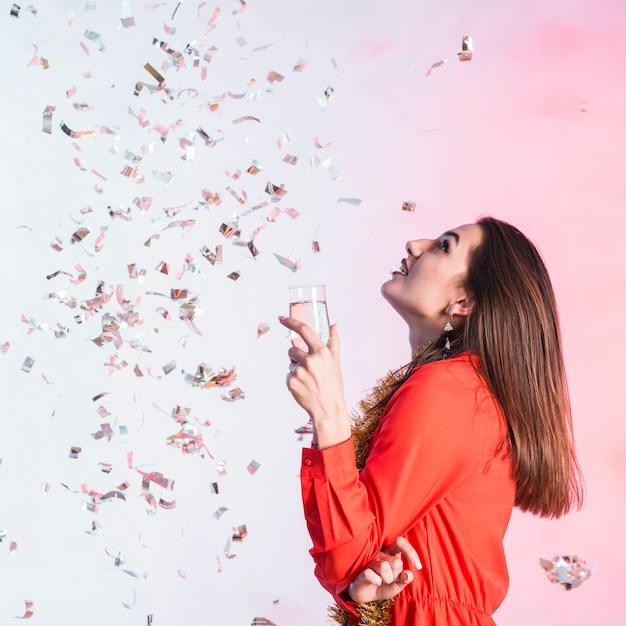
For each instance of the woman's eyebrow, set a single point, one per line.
(451, 233)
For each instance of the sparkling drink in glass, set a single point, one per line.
(307, 303)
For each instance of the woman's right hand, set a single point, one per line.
(385, 576)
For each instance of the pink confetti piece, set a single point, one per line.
(167, 504)
(409, 205)
(246, 118)
(13, 546)
(435, 65)
(292, 213)
(253, 466)
(301, 65)
(319, 145)
(262, 329)
(263, 621)
(234, 276)
(284, 139)
(219, 512)
(29, 610)
(294, 266)
(568, 571)
(181, 573)
(233, 395)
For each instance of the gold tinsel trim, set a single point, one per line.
(371, 408)
(377, 613)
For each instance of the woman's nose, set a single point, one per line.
(416, 247)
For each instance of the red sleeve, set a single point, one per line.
(428, 441)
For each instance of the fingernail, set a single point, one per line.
(417, 563)
(281, 318)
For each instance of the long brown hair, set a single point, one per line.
(514, 330)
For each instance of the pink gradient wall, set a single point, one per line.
(531, 130)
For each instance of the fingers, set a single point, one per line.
(308, 335)
(333, 343)
(402, 546)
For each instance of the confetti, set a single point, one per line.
(355, 201)
(435, 65)
(46, 125)
(569, 572)
(290, 159)
(263, 621)
(467, 47)
(253, 466)
(233, 395)
(408, 205)
(13, 546)
(75, 451)
(293, 266)
(29, 610)
(262, 329)
(27, 364)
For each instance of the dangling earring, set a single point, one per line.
(448, 328)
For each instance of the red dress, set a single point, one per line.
(438, 474)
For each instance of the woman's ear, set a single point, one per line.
(462, 306)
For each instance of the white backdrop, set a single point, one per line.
(530, 130)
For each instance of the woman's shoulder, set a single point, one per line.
(463, 367)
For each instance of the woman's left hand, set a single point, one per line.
(316, 383)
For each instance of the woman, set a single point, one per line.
(477, 423)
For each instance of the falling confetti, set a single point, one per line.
(568, 571)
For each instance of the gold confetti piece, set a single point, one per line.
(234, 276)
(290, 159)
(467, 47)
(165, 504)
(75, 451)
(253, 466)
(408, 205)
(435, 65)
(355, 201)
(27, 364)
(239, 532)
(76, 134)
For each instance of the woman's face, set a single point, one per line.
(428, 287)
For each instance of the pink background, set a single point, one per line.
(531, 130)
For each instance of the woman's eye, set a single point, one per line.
(444, 245)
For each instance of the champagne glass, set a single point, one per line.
(307, 303)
